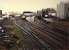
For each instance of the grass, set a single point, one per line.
(18, 35)
(18, 31)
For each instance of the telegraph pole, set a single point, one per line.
(0, 13)
(0, 17)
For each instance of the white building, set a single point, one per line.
(63, 10)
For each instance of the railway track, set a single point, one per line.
(58, 38)
(25, 27)
(42, 32)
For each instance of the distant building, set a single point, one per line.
(63, 10)
(39, 12)
(28, 15)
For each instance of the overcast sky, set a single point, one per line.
(65, 0)
(21, 5)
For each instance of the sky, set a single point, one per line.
(64, 1)
(26, 5)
